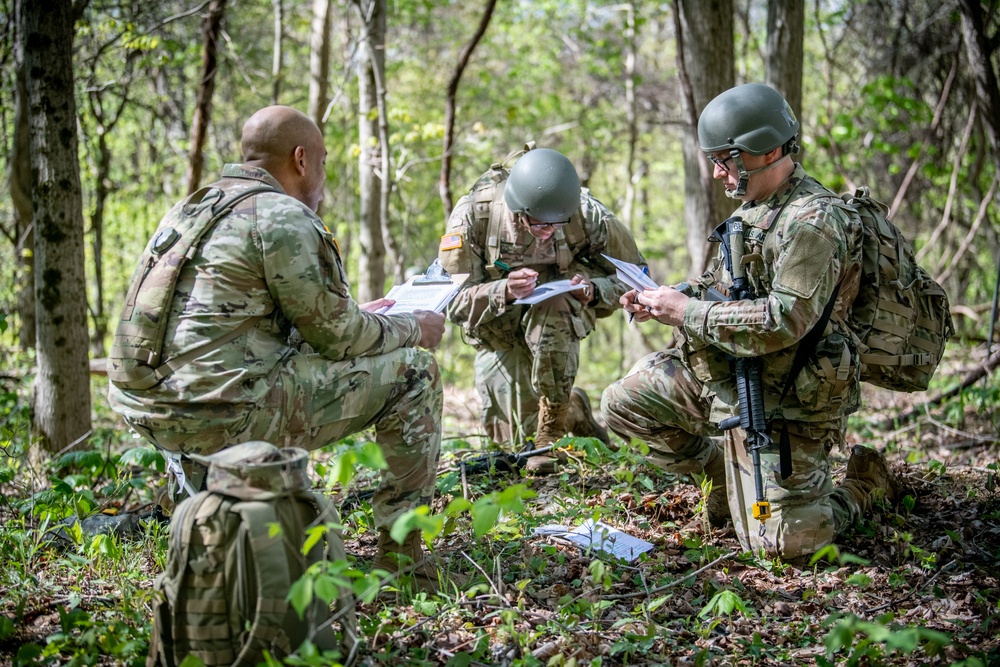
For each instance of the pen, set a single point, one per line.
(503, 266)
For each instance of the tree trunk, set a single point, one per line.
(211, 27)
(373, 162)
(450, 103)
(705, 62)
(371, 262)
(977, 48)
(276, 73)
(61, 410)
(785, 23)
(319, 62)
(630, 116)
(20, 194)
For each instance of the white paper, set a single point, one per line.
(549, 290)
(411, 295)
(599, 536)
(632, 274)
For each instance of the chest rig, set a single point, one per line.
(489, 210)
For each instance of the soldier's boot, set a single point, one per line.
(580, 421)
(551, 427)
(409, 561)
(718, 499)
(868, 469)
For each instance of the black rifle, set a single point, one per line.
(472, 465)
(747, 369)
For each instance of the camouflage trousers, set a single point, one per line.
(542, 360)
(661, 403)
(314, 402)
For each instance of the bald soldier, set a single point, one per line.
(267, 274)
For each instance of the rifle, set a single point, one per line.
(747, 369)
(473, 465)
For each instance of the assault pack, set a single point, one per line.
(901, 314)
(135, 360)
(234, 552)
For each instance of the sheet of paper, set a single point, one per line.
(548, 290)
(413, 295)
(599, 536)
(632, 274)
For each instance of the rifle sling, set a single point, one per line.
(806, 347)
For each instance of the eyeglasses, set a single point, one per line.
(720, 163)
(539, 225)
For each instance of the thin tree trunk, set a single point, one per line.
(20, 194)
(785, 24)
(450, 104)
(630, 116)
(61, 400)
(319, 62)
(276, 71)
(704, 33)
(371, 262)
(211, 27)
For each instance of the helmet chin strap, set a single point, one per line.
(741, 186)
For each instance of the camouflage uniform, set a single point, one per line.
(798, 255)
(273, 259)
(523, 352)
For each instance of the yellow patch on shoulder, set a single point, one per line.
(451, 241)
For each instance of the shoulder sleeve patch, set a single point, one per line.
(451, 242)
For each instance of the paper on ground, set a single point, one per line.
(599, 536)
(412, 296)
(632, 274)
(548, 290)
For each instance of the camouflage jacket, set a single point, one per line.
(271, 258)
(798, 251)
(481, 308)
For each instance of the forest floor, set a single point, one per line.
(917, 584)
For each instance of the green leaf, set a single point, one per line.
(300, 594)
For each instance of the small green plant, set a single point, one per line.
(854, 641)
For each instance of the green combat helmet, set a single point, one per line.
(544, 185)
(753, 118)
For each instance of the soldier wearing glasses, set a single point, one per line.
(516, 230)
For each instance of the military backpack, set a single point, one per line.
(234, 553)
(900, 315)
(135, 360)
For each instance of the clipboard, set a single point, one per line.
(432, 290)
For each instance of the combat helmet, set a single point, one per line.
(752, 118)
(544, 185)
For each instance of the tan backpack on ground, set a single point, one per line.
(234, 553)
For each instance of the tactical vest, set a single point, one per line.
(135, 360)
(488, 207)
(234, 553)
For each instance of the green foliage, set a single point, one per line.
(869, 642)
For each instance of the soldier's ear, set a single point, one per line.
(299, 160)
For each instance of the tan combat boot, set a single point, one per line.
(407, 560)
(581, 422)
(551, 427)
(718, 499)
(868, 468)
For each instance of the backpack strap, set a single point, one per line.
(488, 205)
(271, 565)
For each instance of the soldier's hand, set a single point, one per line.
(431, 328)
(521, 283)
(376, 305)
(664, 303)
(586, 294)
